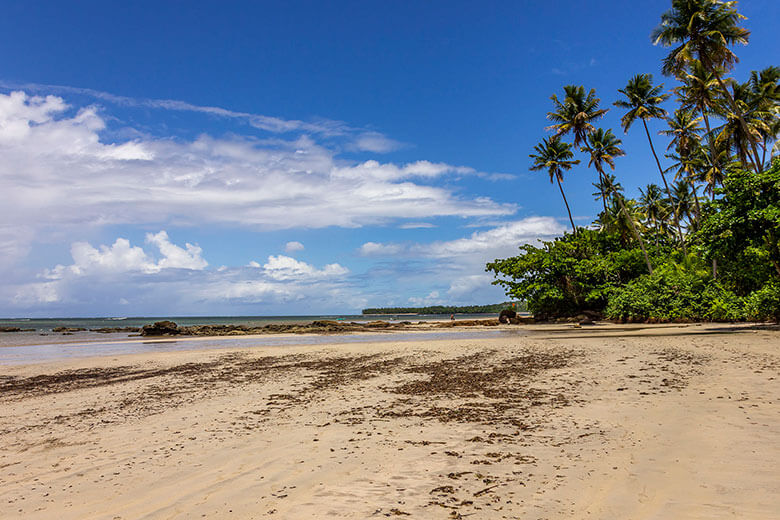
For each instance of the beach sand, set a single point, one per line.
(602, 422)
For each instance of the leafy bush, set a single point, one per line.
(673, 293)
(570, 274)
(764, 304)
(742, 229)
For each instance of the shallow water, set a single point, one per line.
(54, 351)
(45, 325)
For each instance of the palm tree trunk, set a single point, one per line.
(668, 191)
(574, 229)
(756, 165)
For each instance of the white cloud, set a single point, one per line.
(375, 142)
(417, 225)
(268, 123)
(127, 278)
(175, 256)
(460, 262)
(121, 257)
(292, 247)
(282, 267)
(431, 299)
(59, 177)
(377, 249)
(509, 235)
(465, 285)
(501, 239)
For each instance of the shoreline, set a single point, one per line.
(88, 345)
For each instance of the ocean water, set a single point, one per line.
(45, 325)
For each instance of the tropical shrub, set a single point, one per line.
(764, 304)
(569, 274)
(674, 293)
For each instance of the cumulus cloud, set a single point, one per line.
(175, 256)
(294, 246)
(121, 257)
(282, 267)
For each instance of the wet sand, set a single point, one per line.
(606, 422)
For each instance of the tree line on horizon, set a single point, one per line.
(702, 240)
(450, 309)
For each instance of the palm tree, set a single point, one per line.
(643, 102)
(604, 147)
(682, 200)
(655, 207)
(688, 167)
(576, 113)
(714, 171)
(684, 129)
(765, 99)
(755, 117)
(704, 30)
(555, 156)
(697, 92)
(607, 184)
(617, 220)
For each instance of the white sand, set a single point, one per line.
(666, 422)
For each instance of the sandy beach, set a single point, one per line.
(623, 422)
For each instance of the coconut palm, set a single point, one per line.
(698, 92)
(576, 113)
(704, 30)
(684, 130)
(655, 207)
(603, 147)
(682, 200)
(555, 156)
(687, 167)
(719, 161)
(755, 117)
(643, 102)
(607, 184)
(617, 220)
(765, 99)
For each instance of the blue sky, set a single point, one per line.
(316, 157)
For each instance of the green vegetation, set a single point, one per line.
(705, 245)
(444, 309)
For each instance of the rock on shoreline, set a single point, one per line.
(169, 328)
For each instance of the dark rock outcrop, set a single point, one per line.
(506, 315)
(161, 328)
(68, 329)
(11, 329)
